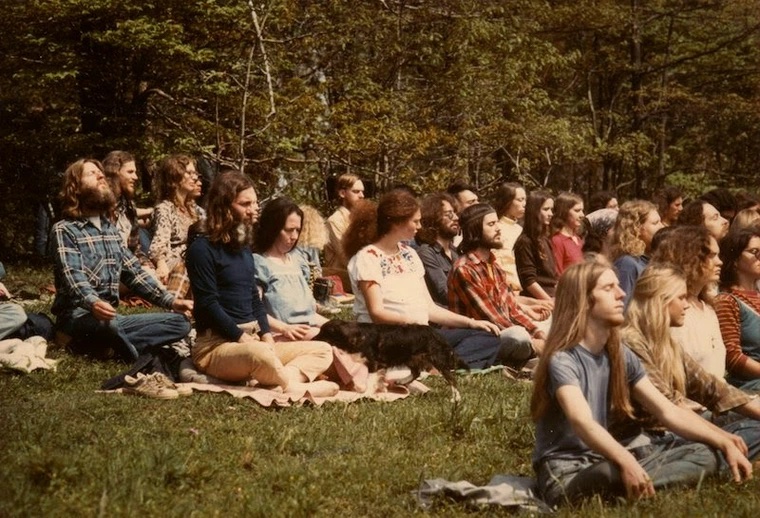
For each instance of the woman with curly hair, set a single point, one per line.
(533, 251)
(177, 186)
(738, 307)
(567, 245)
(388, 278)
(695, 252)
(637, 223)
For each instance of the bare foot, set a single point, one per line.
(315, 388)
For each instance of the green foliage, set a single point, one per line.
(564, 94)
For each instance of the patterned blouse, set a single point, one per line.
(170, 226)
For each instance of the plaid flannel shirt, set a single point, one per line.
(480, 289)
(90, 262)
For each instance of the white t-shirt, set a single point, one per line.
(700, 338)
(401, 277)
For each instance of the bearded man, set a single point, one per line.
(440, 225)
(121, 173)
(479, 287)
(235, 343)
(90, 261)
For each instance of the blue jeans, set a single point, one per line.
(12, 317)
(478, 349)
(128, 335)
(669, 460)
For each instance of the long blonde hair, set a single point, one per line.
(572, 307)
(313, 229)
(627, 236)
(648, 320)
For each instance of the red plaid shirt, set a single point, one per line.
(480, 289)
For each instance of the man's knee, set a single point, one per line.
(515, 346)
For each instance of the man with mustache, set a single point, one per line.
(440, 225)
(90, 261)
(121, 174)
(479, 287)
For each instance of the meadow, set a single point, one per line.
(66, 449)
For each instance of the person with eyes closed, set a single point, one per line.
(388, 279)
(701, 213)
(282, 273)
(435, 240)
(235, 342)
(586, 380)
(738, 306)
(637, 223)
(91, 260)
(660, 302)
(695, 252)
(533, 253)
(567, 245)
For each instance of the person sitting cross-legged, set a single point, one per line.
(90, 261)
(659, 302)
(587, 378)
(479, 288)
(234, 342)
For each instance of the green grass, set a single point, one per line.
(67, 450)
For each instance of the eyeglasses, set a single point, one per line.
(192, 176)
(753, 251)
(450, 215)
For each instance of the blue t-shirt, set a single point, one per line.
(555, 437)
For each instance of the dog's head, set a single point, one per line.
(342, 334)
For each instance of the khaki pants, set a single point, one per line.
(257, 360)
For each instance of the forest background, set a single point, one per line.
(565, 94)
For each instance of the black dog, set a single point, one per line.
(386, 345)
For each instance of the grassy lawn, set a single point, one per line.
(68, 450)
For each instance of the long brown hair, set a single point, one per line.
(370, 221)
(572, 307)
(220, 225)
(688, 248)
(72, 185)
(169, 175)
(562, 206)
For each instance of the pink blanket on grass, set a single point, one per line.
(269, 398)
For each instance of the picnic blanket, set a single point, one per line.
(277, 398)
(351, 375)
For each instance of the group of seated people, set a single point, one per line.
(632, 337)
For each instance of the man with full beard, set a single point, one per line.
(90, 260)
(479, 287)
(440, 225)
(234, 341)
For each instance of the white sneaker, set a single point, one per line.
(148, 386)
